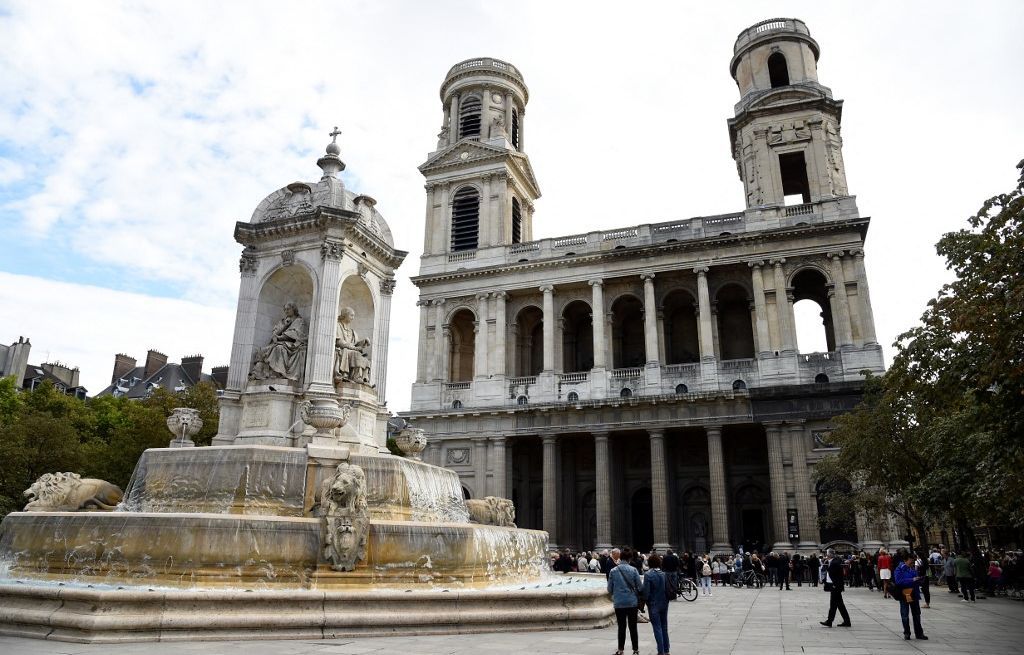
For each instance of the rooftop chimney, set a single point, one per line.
(193, 367)
(155, 360)
(123, 365)
(220, 376)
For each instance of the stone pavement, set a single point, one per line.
(731, 621)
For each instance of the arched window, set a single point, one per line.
(462, 331)
(517, 221)
(682, 388)
(515, 127)
(739, 385)
(681, 341)
(465, 219)
(735, 332)
(529, 337)
(820, 378)
(469, 117)
(577, 337)
(573, 397)
(626, 392)
(522, 400)
(812, 312)
(778, 71)
(628, 332)
(456, 404)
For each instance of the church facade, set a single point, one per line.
(643, 384)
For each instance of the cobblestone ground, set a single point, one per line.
(733, 621)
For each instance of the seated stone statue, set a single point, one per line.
(285, 355)
(351, 354)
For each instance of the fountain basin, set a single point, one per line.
(258, 552)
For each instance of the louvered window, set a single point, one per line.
(515, 127)
(469, 117)
(517, 221)
(465, 219)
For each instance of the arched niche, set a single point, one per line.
(355, 293)
(286, 284)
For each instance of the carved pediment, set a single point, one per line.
(785, 96)
(461, 153)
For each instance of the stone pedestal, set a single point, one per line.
(269, 414)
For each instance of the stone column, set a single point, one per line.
(805, 505)
(245, 324)
(421, 351)
(440, 351)
(550, 490)
(442, 225)
(480, 465)
(650, 319)
(453, 130)
(500, 333)
(867, 318)
(778, 486)
(481, 352)
(659, 490)
(707, 344)
(760, 310)
(719, 496)
(597, 322)
(785, 314)
(485, 222)
(380, 348)
(603, 491)
(549, 328)
(840, 302)
(320, 379)
(498, 467)
(508, 115)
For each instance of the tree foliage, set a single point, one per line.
(44, 431)
(941, 434)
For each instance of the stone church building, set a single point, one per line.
(643, 384)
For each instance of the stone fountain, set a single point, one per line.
(297, 522)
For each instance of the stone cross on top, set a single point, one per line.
(334, 134)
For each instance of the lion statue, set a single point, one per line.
(345, 517)
(70, 492)
(492, 510)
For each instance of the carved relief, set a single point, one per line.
(387, 286)
(247, 264)
(331, 249)
(492, 510)
(457, 456)
(285, 355)
(70, 492)
(345, 517)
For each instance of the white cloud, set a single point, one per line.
(137, 133)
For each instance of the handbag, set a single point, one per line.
(640, 602)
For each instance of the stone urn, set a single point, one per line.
(324, 416)
(184, 423)
(412, 442)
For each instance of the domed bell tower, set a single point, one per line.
(479, 182)
(785, 135)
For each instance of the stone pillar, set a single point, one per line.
(320, 379)
(440, 352)
(785, 313)
(481, 352)
(597, 321)
(805, 506)
(719, 497)
(485, 221)
(442, 224)
(500, 333)
(380, 347)
(650, 319)
(453, 130)
(549, 328)
(550, 490)
(480, 465)
(603, 491)
(498, 468)
(778, 486)
(707, 344)
(659, 490)
(760, 310)
(421, 351)
(508, 115)
(840, 302)
(245, 324)
(867, 318)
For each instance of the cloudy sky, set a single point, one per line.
(133, 135)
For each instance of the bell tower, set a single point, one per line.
(785, 135)
(480, 185)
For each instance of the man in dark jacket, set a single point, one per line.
(835, 579)
(670, 566)
(782, 570)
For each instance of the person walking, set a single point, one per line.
(624, 585)
(834, 585)
(906, 587)
(949, 572)
(884, 563)
(964, 576)
(655, 591)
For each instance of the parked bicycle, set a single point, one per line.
(749, 578)
(687, 589)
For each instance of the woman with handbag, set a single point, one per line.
(624, 585)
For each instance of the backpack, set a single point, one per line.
(671, 589)
(706, 570)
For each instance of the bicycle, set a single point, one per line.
(687, 589)
(748, 578)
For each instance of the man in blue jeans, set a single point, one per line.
(657, 603)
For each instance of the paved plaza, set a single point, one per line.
(733, 621)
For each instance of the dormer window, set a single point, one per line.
(465, 219)
(469, 117)
(778, 71)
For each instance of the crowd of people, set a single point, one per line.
(636, 579)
